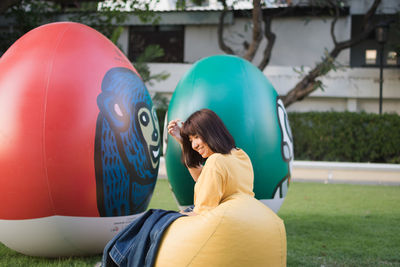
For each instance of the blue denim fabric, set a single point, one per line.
(189, 209)
(137, 244)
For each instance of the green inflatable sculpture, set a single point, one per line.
(250, 108)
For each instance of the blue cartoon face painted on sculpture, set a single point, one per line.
(127, 145)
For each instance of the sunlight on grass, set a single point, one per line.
(326, 225)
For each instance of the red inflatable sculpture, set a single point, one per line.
(79, 142)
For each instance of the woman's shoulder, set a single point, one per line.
(217, 160)
(236, 153)
(215, 157)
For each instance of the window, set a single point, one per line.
(169, 38)
(391, 58)
(370, 56)
(368, 53)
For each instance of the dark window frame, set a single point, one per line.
(169, 37)
(357, 52)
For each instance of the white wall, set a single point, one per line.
(355, 89)
(299, 41)
(302, 41)
(200, 40)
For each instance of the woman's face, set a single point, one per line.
(200, 146)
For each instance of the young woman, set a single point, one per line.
(219, 168)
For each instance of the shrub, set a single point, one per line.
(346, 136)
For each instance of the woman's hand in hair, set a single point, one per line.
(174, 129)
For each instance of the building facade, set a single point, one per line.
(301, 40)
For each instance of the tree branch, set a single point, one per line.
(257, 37)
(310, 83)
(333, 25)
(221, 42)
(271, 36)
(271, 41)
(370, 13)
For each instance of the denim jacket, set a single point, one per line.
(137, 244)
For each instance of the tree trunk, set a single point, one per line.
(271, 41)
(257, 37)
(221, 41)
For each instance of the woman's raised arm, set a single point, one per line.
(174, 129)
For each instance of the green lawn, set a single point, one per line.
(326, 225)
(342, 225)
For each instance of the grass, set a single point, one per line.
(162, 199)
(326, 225)
(342, 225)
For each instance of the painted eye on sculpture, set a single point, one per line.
(144, 118)
(155, 114)
(288, 129)
(114, 110)
(286, 151)
(118, 110)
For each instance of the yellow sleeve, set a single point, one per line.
(210, 186)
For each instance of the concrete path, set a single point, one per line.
(336, 172)
(345, 172)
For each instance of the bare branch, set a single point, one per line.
(371, 12)
(270, 36)
(333, 24)
(271, 41)
(257, 37)
(310, 83)
(221, 42)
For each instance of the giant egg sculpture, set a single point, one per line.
(250, 108)
(79, 142)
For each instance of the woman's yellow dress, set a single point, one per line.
(232, 228)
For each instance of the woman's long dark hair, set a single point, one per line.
(209, 127)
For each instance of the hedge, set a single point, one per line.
(341, 136)
(346, 136)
